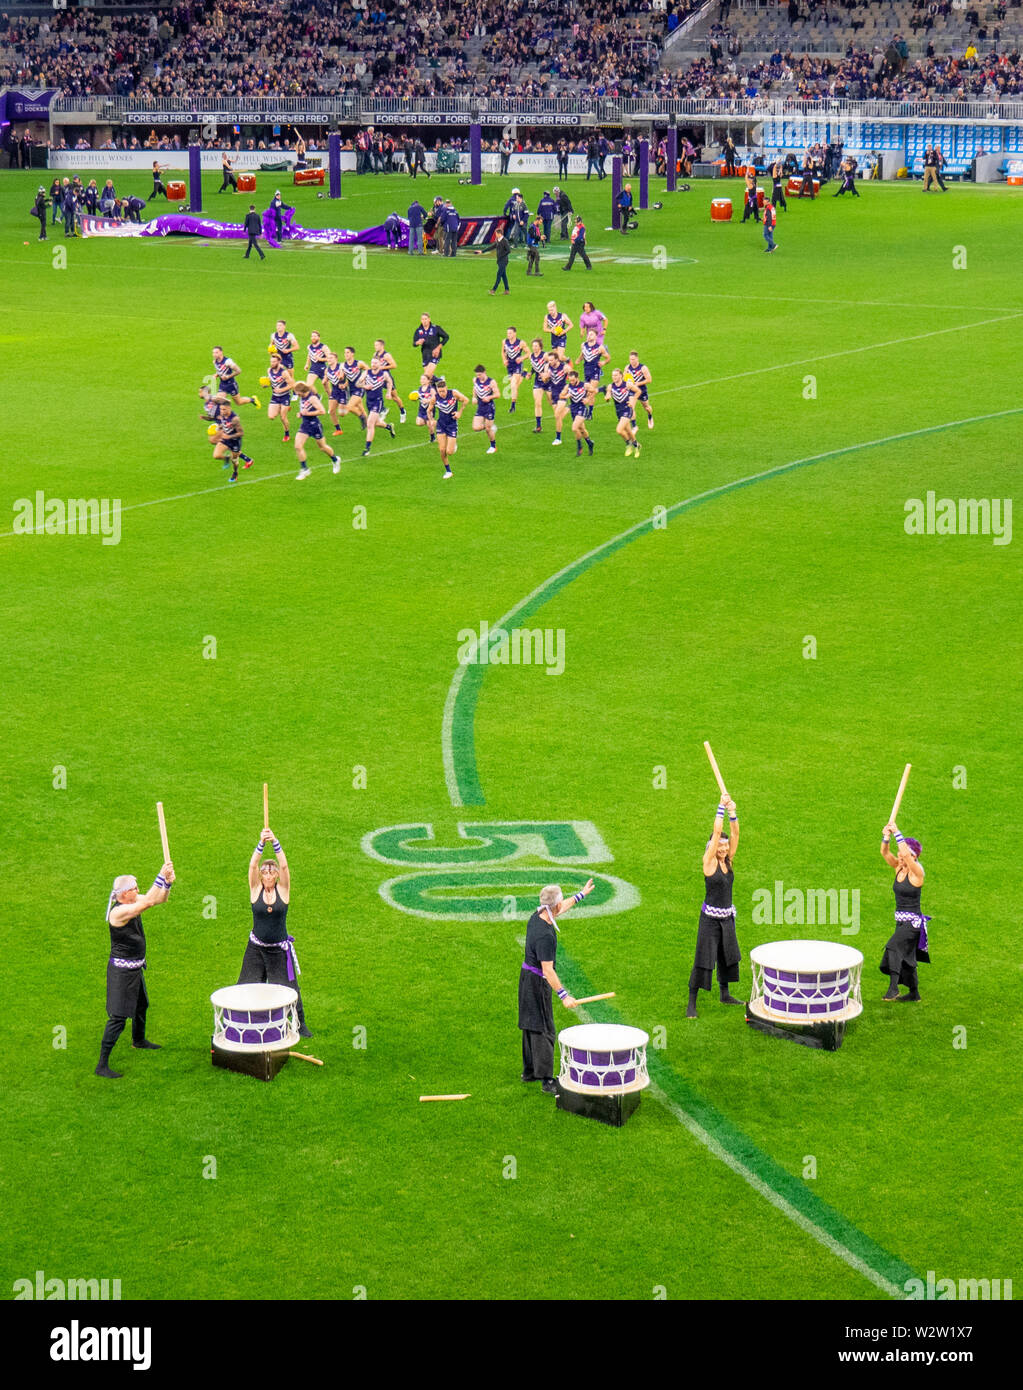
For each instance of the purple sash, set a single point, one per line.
(918, 920)
(532, 970)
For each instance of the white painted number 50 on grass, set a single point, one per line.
(474, 881)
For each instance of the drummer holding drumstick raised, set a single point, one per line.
(127, 996)
(716, 941)
(908, 943)
(270, 954)
(537, 979)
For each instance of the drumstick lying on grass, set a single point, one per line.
(464, 1096)
(303, 1058)
(592, 998)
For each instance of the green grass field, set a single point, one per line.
(800, 400)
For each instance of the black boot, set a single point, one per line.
(103, 1067)
(146, 1046)
(691, 1008)
(726, 997)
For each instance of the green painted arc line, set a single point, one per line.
(458, 736)
(787, 1194)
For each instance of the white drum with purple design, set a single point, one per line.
(806, 982)
(603, 1059)
(255, 1018)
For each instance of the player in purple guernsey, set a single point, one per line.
(423, 415)
(446, 408)
(538, 366)
(316, 359)
(227, 375)
(282, 383)
(229, 437)
(375, 381)
(623, 396)
(592, 357)
(380, 350)
(310, 408)
(557, 324)
(638, 372)
(284, 344)
(485, 394)
(513, 355)
(556, 377)
(353, 367)
(580, 396)
(337, 389)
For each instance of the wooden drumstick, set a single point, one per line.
(898, 798)
(163, 832)
(464, 1096)
(592, 998)
(714, 766)
(266, 806)
(303, 1058)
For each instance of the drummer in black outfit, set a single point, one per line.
(537, 979)
(908, 943)
(716, 941)
(127, 996)
(270, 955)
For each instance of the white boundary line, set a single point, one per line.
(776, 1200)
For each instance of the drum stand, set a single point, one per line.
(263, 1065)
(824, 1033)
(612, 1109)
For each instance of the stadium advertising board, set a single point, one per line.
(236, 116)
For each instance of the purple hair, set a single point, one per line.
(912, 845)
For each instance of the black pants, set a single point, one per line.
(578, 250)
(532, 260)
(117, 1018)
(504, 162)
(538, 1056)
(751, 207)
(562, 166)
(564, 226)
(778, 197)
(254, 245)
(229, 182)
(268, 965)
(807, 186)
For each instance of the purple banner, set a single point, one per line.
(176, 223)
(32, 104)
(472, 231)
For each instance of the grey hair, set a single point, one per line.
(550, 895)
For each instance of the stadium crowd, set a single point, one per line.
(484, 49)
